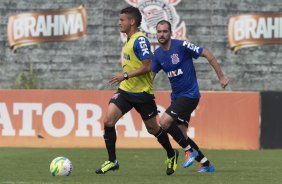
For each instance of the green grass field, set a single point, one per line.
(143, 166)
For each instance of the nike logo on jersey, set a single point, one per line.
(143, 46)
(191, 46)
(174, 73)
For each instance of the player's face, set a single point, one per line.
(163, 33)
(124, 23)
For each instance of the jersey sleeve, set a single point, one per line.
(156, 67)
(194, 50)
(142, 48)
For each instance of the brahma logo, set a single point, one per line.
(254, 29)
(155, 11)
(58, 25)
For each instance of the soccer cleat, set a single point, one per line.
(189, 158)
(209, 168)
(107, 166)
(172, 163)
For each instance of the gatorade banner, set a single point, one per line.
(74, 118)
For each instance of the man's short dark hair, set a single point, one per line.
(134, 13)
(165, 22)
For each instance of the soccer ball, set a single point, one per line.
(61, 166)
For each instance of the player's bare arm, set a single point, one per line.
(145, 68)
(213, 62)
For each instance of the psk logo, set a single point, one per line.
(174, 59)
(154, 11)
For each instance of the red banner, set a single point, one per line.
(74, 118)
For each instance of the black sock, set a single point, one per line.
(177, 135)
(206, 163)
(201, 155)
(164, 141)
(110, 138)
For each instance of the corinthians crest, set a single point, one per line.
(154, 11)
(174, 59)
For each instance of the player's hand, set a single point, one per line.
(224, 81)
(116, 79)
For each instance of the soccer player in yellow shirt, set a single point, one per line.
(135, 91)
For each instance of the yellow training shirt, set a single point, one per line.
(130, 62)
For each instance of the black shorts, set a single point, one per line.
(181, 109)
(145, 105)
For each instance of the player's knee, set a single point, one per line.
(165, 121)
(164, 125)
(108, 122)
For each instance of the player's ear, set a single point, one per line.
(132, 22)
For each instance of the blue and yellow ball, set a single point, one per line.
(61, 166)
